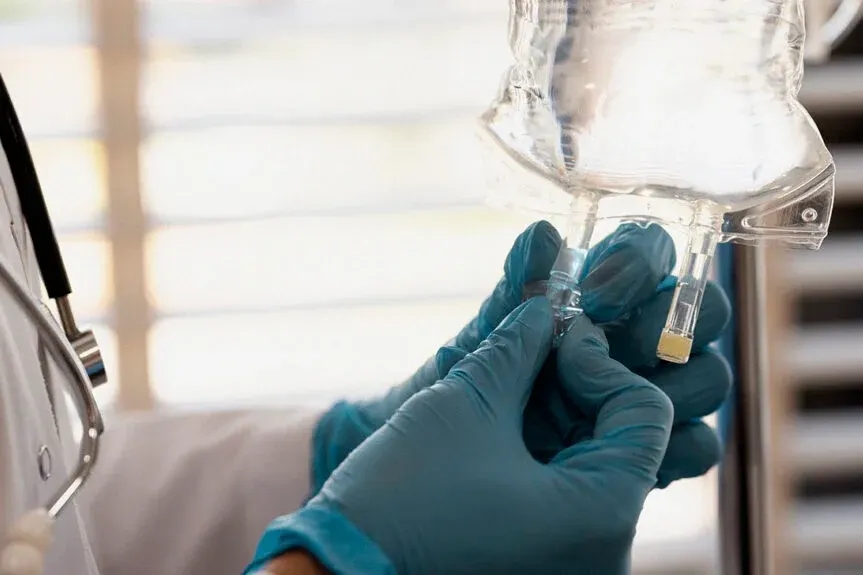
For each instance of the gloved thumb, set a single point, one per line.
(504, 366)
(446, 358)
(633, 417)
(530, 260)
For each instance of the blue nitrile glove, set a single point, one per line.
(448, 485)
(347, 424)
(626, 285)
(627, 291)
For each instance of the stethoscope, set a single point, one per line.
(29, 537)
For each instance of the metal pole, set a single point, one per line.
(751, 498)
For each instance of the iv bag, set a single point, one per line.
(682, 113)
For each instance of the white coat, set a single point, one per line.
(171, 494)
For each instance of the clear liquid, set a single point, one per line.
(670, 98)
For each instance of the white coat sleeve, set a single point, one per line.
(190, 494)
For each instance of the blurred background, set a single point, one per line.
(281, 201)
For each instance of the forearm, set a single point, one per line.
(297, 562)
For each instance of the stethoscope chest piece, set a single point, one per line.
(88, 351)
(83, 342)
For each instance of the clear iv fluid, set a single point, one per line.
(687, 99)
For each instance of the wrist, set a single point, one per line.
(297, 562)
(338, 546)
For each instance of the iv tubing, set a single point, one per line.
(563, 291)
(675, 343)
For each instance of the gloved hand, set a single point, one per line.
(627, 290)
(347, 424)
(448, 485)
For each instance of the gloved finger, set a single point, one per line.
(633, 341)
(550, 418)
(623, 270)
(693, 449)
(446, 358)
(698, 388)
(502, 369)
(530, 259)
(632, 416)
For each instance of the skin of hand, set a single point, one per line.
(627, 291)
(448, 484)
(295, 563)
